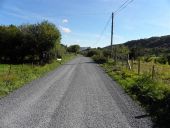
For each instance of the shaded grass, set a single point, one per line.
(18, 75)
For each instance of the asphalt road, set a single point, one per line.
(77, 95)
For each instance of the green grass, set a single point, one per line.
(162, 71)
(18, 75)
(153, 94)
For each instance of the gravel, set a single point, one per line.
(77, 95)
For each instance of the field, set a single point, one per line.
(161, 71)
(15, 76)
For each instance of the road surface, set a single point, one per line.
(77, 95)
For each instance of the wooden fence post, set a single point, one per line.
(9, 71)
(153, 71)
(138, 66)
(132, 60)
(128, 63)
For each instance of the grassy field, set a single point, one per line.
(152, 93)
(14, 76)
(161, 71)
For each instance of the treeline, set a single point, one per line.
(101, 55)
(123, 53)
(38, 42)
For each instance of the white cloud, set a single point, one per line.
(65, 21)
(65, 30)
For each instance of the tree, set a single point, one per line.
(10, 43)
(40, 39)
(74, 49)
(59, 50)
(35, 42)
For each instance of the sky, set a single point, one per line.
(88, 22)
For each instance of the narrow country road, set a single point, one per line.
(77, 95)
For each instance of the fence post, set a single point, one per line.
(153, 71)
(32, 64)
(9, 71)
(139, 66)
(128, 63)
(22, 67)
(132, 63)
(122, 62)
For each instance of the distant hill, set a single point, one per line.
(153, 45)
(153, 42)
(83, 48)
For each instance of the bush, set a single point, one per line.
(163, 112)
(147, 90)
(148, 59)
(93, 52)
(111, 62)
(100, 59)
(168, 59)
(107, 53)
(161, 60)
(155, 96)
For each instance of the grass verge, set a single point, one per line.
(153, 94)
(13, 77)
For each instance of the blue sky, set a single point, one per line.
(82, 21)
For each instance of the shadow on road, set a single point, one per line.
(142, 116)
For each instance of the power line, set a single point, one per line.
(105, 27)
(123, 6)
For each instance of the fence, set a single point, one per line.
(157, 71)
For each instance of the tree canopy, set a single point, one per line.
(28, 42)
(74, 49)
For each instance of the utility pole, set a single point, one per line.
(112, 36)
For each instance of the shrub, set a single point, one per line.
(93, 52)
(147, 90)
(111, 62)
(148, 59)
(161, 60)
(162, 111)
(107, 53)
(100, 59)
(168, 59)
(155, 96)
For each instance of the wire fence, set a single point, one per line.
(155, 70)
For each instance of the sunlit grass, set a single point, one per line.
(18, 75)
(161, 71)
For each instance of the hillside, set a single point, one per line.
(153, 42)
(150, 46)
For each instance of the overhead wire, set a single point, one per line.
(123, 6)
(104, 29)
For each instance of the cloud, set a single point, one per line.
(65, 20)
(65, 30)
